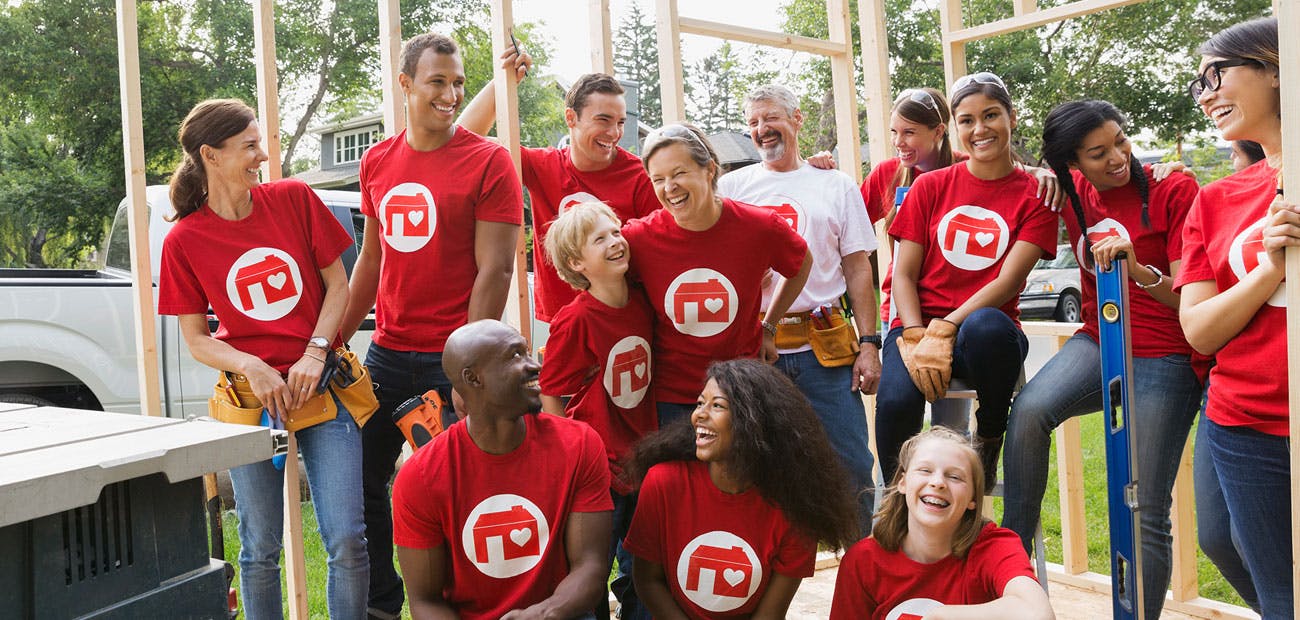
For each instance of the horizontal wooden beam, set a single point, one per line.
(1034, 19)
(1198, 607)
(688, 25)
(1049, 328)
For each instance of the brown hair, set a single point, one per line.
(568, 234)
(921, 114)
(576, 98)
(415, 46)
(210, 123)
(891, 520)
(1251, 40)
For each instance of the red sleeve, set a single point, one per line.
(368, 206)
(1179, 205)
(1039, 226)
(592, 492)
(851, 600)
(327, 236)
(999, 558)
(788, 248)
(1196, 265)
(645, 536)
(910, 223)
(528, 158)
(568, 364)
(501, 198)
(415, 519)
(797, 555)
(644, 199)
(873, 193)
(179, 291)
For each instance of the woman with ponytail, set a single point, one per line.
(265, 258)
(1116, 207)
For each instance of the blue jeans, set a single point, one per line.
(988, 354)
(1166, 396)
(1214, 530)
(398, 376)
(624, 590)
(331, 452)
(843, 416)
(1254, 473)
(672, 412)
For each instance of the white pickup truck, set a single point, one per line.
(67, 336)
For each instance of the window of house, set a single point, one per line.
(350, 146)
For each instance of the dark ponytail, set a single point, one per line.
(210, 123)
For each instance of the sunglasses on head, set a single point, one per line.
(983, 77)
(674, 130)
(1212, 77)
(918, 95)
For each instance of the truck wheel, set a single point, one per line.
(1068, 308)
(25, 399)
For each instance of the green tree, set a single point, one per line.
(713, 103)
(636, 58)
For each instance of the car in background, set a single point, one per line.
(1052, 289)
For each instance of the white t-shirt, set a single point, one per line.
(825, 207)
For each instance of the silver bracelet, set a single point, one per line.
(1160, 277)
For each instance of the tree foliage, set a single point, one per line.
(636, 58)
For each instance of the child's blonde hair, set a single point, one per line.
(891, 520)
(568, 233)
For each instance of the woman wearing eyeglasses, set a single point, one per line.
(702, 260)
(1117, 207)
(968, 236)
(1233, 305)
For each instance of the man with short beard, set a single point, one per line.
(826, 209)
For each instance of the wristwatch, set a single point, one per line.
(872, 339)
(1160, 277)
(320, 342)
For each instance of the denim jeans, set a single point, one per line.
(398, 376)
(1166, 396)
(1254, 473)
(624, 590)
(331, 452)
(672, 412)
(1214, 531)
(988, 354)
(843, 416)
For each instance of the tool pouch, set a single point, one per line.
(837, 346)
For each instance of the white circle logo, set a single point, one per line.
(264, 283)
(1247, 252)
(719, 571)
(973, 238)
(575, 198)
(913, 609)
(1105, 228)
(505, 535)
(627, 371)
(701, 302)
(408, 216)
(788, 209)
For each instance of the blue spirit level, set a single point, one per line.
(1121, 445)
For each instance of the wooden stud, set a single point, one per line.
(1069, 478)
(1032, 19)
(1183, 581)
(518, 307)
(390, 50)
(295, 573)
(954, 52)
(1288, 14)
(268, 97)
(1022, 7)
(688, 25)
(602, 41)
(845, 92)
(146, 342)
(875, 85)
(671, 94)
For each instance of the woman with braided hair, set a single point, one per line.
(1117, 207)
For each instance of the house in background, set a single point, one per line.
(341, 147)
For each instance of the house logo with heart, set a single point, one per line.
(505, 535)
(913, 609)
(264, 283)
(1247, 252)
(719, 571)
(627, 371)
(973, 238)
(701, 302)
(408, 216)
(1105, 228)
(575, 199)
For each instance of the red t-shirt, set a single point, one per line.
(707, 289)
(427, 204)
(877, 584)
(966, 226)
(500, 517)
(1222, 241)
(554, 185)
(260, 275)
(601, 355)
(718, 550)
(878, 190)
(1118, 212)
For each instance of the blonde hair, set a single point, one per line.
(568, 233)
(891, 520)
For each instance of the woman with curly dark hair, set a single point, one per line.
(734, 502)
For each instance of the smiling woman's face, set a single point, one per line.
(1246, 105)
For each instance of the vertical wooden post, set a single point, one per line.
(600, 28)
(518, 308)
(1069, 478)
(268, 97)
(1023, 7)
(671, 94)
(1288, 14)
(954, 54)
(390, 51)
(146, 342)
(1184, 580)
(840, 28)
(875, 83)
(295, 569)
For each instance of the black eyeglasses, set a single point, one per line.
(918, 95)
(1212, 77)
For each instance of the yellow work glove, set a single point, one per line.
(907, 341)
(931, 367)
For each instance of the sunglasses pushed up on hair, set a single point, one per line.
(918, 95)
(983, 77)
(675, 130)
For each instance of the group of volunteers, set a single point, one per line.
(710, 339)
